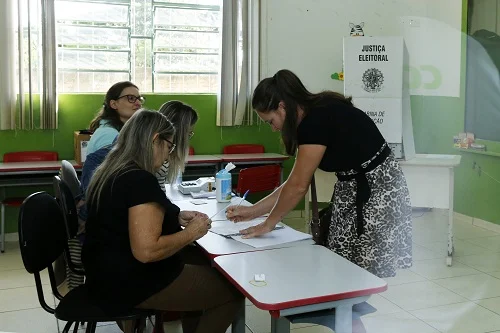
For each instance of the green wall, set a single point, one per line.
(435, 121)
(76, 111)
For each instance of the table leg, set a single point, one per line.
(450, 218)
(343, 318)
(280, 325)
(238, 325)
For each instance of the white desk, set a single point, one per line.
(215, 245)
(430, 180)
(301, 280)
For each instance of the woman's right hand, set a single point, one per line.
(198, 226)
(239, 213)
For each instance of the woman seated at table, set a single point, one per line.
(121, 101)
(133, 242)
(184, 118)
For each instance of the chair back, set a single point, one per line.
(68, 174)
(42, 239)
(30, 156)
(244, 149)
(259, 179)
(67, 205)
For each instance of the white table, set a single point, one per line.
(301, 280)
(215, 245)
(430, 180)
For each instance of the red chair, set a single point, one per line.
(259, 179)
(22, 156)
(191, 151)
(244, 149)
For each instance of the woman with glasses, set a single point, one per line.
(121, 102)
(184, 118)
(134, 247)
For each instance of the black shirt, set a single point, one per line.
(349, 134)
(116, 280)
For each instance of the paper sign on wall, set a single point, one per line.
(373, 67)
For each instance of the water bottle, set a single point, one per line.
(178, 180)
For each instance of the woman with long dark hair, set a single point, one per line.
(371, 216)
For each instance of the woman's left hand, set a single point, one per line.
(258, 230)
(186, 216)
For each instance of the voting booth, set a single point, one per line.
(375, 78)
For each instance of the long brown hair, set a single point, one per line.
(107, 112)
(285, 86)
(183, 117)
(133, 147)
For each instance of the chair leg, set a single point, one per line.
(76, 327)
(67, 326)
(2, 227)
(91, 327)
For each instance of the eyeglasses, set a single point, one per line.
(172, 146)
(191, 134)
(133, 98)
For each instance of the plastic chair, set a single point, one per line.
(244, 149)
(259, 179)
(22, 156)
(42, 239)
(68, 174)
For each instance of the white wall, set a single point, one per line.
(305, 36)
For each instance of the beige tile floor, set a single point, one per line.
(429, 297)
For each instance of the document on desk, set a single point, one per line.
(228, 228)
(275, 237)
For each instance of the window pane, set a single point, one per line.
(90, 37)
(93, 60)
(187, 63)
(186, 83)
(88, 82)
(142, 64)
(141, 18)
(171, 17)
(195, 2)
(169, 40)
(109, 14)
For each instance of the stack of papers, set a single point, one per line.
(280, 235)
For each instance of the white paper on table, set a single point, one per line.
(231, 228)
(275, 237)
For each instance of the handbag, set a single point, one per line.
(320, 222)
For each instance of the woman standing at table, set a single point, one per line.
(121, 102)
(371, 217)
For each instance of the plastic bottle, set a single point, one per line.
(223, 184)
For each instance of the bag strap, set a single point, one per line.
(314, 199)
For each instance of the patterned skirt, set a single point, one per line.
(386, 242)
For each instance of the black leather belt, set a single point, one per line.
(363, 190)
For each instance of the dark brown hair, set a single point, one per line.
(107, 112)
(286, 86)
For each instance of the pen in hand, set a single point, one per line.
(243, 198)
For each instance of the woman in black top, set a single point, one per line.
(134, 242)
(371, 220)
